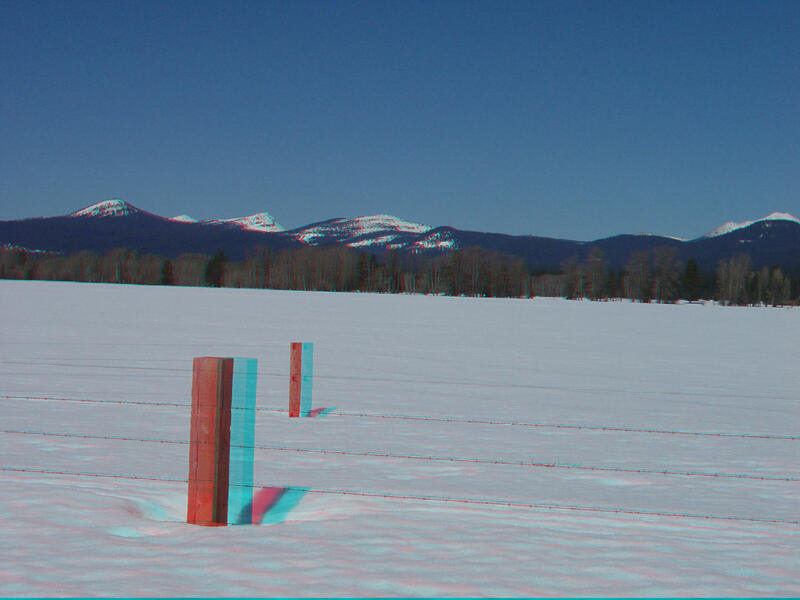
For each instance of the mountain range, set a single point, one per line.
(772, 240)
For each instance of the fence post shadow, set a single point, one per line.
(272, 505)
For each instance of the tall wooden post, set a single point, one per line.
(243, 440)
(306, 379)
(209, 448)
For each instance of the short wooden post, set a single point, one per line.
(301, 376)
(209, 447)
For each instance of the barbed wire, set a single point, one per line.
(430, 498)
(95, 401)
(422, 457)
(417, 380)
(567, 426)
(465, 420)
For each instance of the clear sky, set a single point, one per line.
(566, 119)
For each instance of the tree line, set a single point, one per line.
(649, 276)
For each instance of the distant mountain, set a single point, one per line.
(772, 240)
(376, 231)
(117, 224)
(263, 222)
(731, 226)
(767, 241)
(109, 208)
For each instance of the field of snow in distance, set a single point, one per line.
(564, 448)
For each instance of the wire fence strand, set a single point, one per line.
(420, 457)
(479, 502)
(425, 381)
(444, 419)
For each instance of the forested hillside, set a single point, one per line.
(656, 275)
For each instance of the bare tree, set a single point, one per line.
(732, 278)
(665, 273)
(596, 271)
(638, 282)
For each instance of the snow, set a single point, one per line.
(359, 231)
(562, 371)
(439, 240)
(669, 237)
(379, 223)
(7, 246)
(262, 221)
(375, 241)
(733, 226)
(107, 208)
(184, 219)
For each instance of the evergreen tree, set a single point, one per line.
(167, 277)
(691, 281)
(214, 273)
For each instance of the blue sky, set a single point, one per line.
(566, 119)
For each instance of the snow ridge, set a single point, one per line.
(107, 208)
(669, 237)
(733, 226)
(262, 221)
(115, 207)
(360, 231)
(184, 219)
(440, 240)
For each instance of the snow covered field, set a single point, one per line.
(710, 515)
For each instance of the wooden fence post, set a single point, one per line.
(243, 440)
(209, 448)
(306, 379)
(301, 377)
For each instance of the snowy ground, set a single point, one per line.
(537, 363)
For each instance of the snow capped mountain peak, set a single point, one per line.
(375, 223)
(727, 227)
(115, 207)
(360, 231)
(780, 216)
(184, 219)
(733, 226)
(262, 221)
(107, 208)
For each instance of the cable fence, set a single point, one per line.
(420, 457)
(429, 381)
(443, 419)
(456, 420)
(478, 502)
